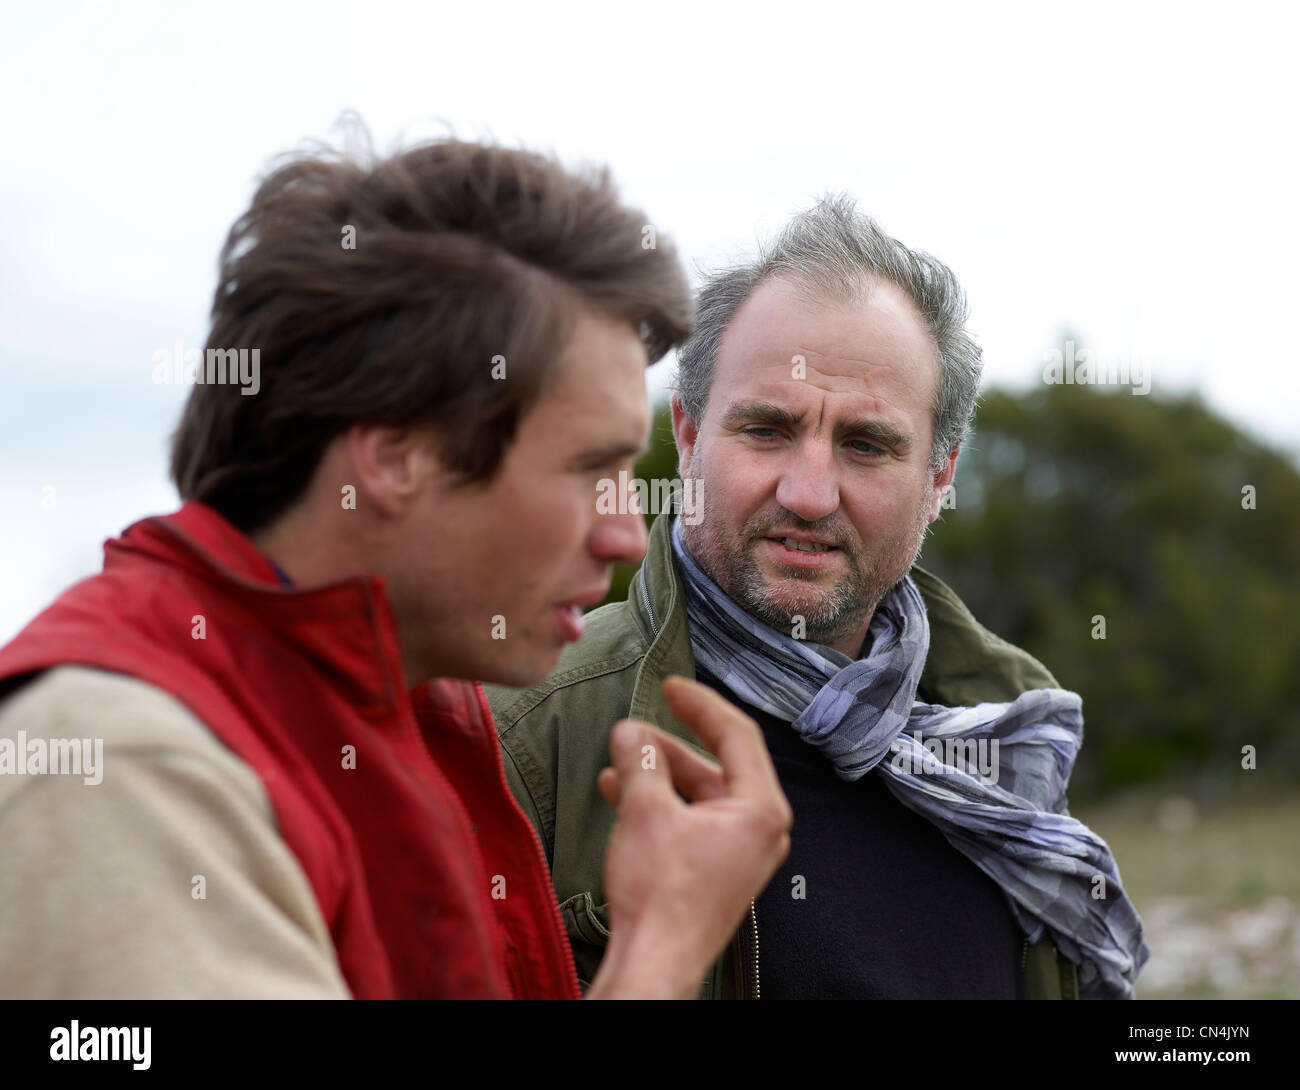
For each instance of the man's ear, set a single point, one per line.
(685, 432)
(392, 466)
(942, 479)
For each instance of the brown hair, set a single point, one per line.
(463, 253)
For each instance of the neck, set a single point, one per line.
(851, 645)
(309, 554)
(314, 555)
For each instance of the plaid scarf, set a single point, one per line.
(1007, 815)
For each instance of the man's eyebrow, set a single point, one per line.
(758, 412)
(611, 452)
(771, 415)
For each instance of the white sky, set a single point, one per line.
(1124, 170)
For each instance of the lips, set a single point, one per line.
(804, 546)
(571, 622)
(802, 551)
(569, 616)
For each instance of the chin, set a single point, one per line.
(521, 672)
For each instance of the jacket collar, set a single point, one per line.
(345, 628)
(657, 600)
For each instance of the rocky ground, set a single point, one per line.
(1218, 888)
(1200, 949)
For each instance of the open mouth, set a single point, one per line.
(571, 621)
(570, 617)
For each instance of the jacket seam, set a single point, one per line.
(526, 705)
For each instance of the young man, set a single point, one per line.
(438, 354)
(822, 400)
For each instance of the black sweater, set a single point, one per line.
(889, 909)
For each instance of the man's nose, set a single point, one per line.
(619, 538)
(809, 485)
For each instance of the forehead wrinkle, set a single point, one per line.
(826, 385)
(850, 377)
(858, 383)
(882, 365)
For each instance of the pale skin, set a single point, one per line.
(529, 547)
(818, 429)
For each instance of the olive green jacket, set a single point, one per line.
(555, 737)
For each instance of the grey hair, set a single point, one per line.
(832, 250)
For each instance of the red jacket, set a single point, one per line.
(429, 877)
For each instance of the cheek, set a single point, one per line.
(885, 510)
(546, 526)
(736, 487)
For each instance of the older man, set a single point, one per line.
(822, 402)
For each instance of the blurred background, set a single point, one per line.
(1118, 179)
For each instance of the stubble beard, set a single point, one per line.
(835, 613)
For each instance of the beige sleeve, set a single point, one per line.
(99, 882)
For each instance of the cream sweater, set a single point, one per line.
(99, 883)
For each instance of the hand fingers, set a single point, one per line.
(693, 774)
(728, 733)
(609, 786)
(633, 756)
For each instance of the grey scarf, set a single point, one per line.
(991, 777)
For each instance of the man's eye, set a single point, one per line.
(761, 433)
(861, 446)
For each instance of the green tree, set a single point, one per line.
(1076, 506)
(659, 463)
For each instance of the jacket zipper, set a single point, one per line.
(645, 600)
(753, 922)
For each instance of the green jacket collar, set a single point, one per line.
(657, 601)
